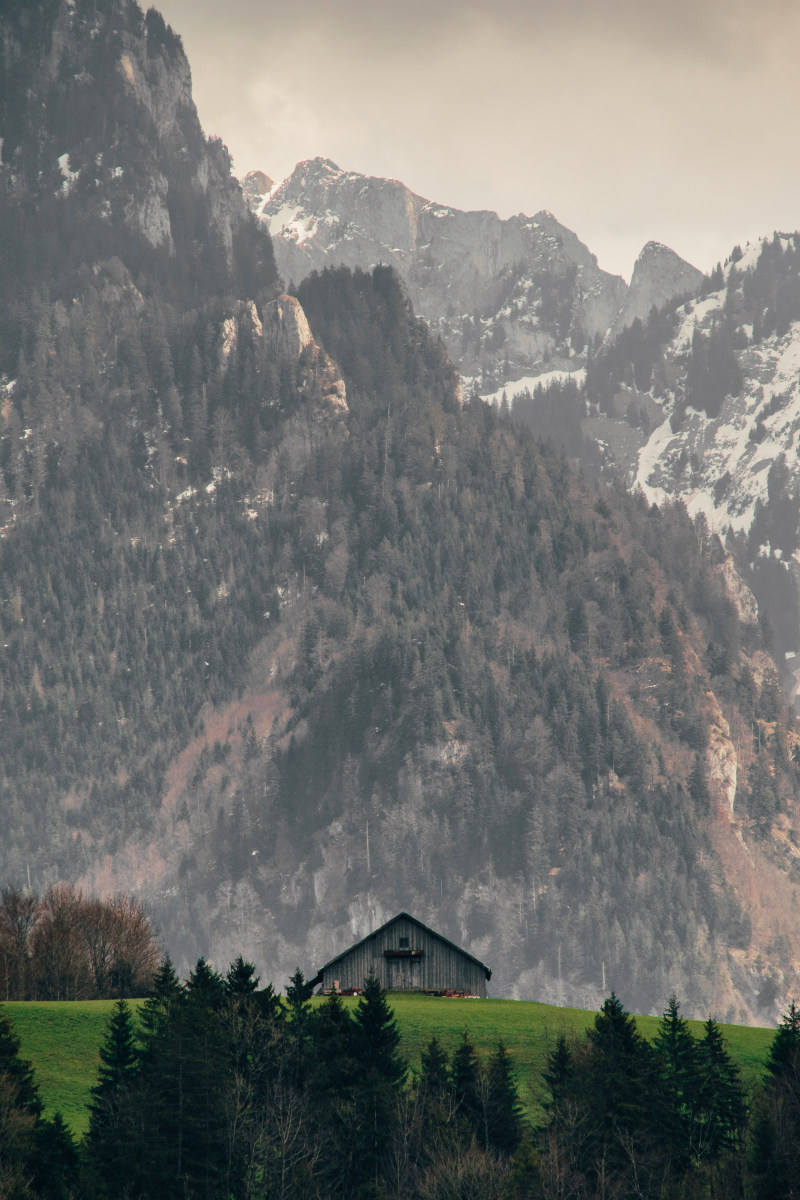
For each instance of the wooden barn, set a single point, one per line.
(406, 956)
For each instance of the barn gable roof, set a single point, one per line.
(400, 916)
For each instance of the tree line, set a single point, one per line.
(67, 946)
(223, 1089)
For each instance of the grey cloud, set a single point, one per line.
(713, 28)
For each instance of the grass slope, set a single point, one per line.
(530, 1030)
(61, 1039)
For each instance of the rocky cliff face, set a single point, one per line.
(114, 133)
(506, 296)
(659, 276)
(288, 339)
(510, 298)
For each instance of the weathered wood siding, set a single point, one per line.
(439, 968)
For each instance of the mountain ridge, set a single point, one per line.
(510, 297)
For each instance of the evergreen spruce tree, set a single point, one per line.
(378, 1037)
(57, 1161)
(162, 1092)
(434, 1078)
(206, 987)
(721, 1111)
(111, 1142)
(465, 1083)
(680, 1070)
(298, 1025)
(241, 979)
(383, 1072)
(774, 1156)
(784, 1050)
(434, 1092)
(334, 1082)
(20, 1112)
(207, 1070)
(560, 1074)
(334, 1065)
(166, 989)
(17, 1071)
(504, 1111)
(622, 1093)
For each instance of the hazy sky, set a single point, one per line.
(630, 120)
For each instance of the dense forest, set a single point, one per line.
(221, 1089)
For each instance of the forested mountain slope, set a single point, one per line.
(700, 401)
(681, 384)
(295, 637)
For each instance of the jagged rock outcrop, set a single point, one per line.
(289, 343)
(286, 329)
(739, 594)
(721, 762)
(256, 186)
(659, 276)
(289, 338)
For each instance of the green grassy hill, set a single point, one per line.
(62, 1040)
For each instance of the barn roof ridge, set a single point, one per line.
(415, 920)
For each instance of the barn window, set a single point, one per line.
(403, 943)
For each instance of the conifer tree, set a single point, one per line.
(621, 1092)
(559, 1074)
(163, 1095)
(434, 1092)
(721, 1108)
(679, 1056)
(298, 1024)
(111, 1142)
(434, 1077)
(775, 1143)
(57, 1161)
(334, 1066)
(241, 979)
(378, 1035)
(18, 1072)
(383, 1071)
(504, 1111)
(206, 1069)
(465, 1082)
(20, 1112)
(785, 1048)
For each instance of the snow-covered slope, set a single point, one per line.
(511, 298)
(703, 404)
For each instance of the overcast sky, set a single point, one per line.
(631, 120)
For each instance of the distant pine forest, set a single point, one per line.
(219, 1089)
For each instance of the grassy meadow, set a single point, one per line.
(61, 1039)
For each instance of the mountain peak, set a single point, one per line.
(313, 170)
(491, 288)
(656, 251)
(659, 276)
(256, 188)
